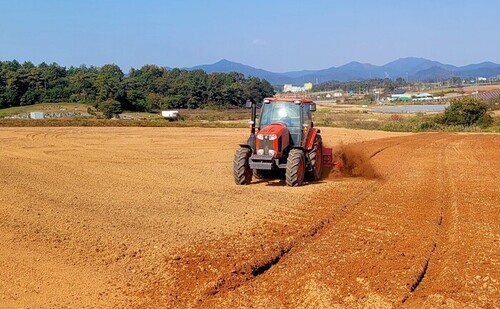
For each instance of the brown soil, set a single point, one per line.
(150, 217)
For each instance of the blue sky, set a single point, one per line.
(277, 36)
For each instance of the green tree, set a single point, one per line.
(54, 83)
(466, 111)
(197, 89)
(110, 108)
(144, 89)
(82, 82)
(109, 83)
(31, 96)
(257, 89)
(156, 101)
(3, 89)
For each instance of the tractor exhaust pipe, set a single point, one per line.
(251, 140)
(251, 104)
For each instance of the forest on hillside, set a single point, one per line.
(382, 83)
(149, 88)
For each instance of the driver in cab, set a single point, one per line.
(283, 116)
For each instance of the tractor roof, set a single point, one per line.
(290, 100)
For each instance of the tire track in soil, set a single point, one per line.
(206, 271)
(453, 277)
(449, 207)
(225, 265)
(444, 181)
(412, 283)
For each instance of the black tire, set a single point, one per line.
(295, 168)
(241, 169)
(315, 156)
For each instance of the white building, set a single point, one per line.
(292, 88)
(37, 115)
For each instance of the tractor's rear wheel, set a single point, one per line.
(295, 168)
(241, 168)
(316, 159)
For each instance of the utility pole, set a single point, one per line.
(475, 93)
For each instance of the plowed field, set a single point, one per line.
(150, 218)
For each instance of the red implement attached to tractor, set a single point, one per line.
(285, 138)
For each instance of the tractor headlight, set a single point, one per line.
(272, 137)
(260, 136)
(272, 152)
(260, 152)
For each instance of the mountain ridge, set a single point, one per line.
(411, 68)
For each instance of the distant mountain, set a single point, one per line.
(412, 68)
(433, 73)
(351, 71)
(412, 65)
(226, 66)
(482, 65)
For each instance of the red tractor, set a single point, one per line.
(285, 139)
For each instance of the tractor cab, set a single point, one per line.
(295, 115)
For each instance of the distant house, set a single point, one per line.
(292, 88)
(423, 96)
(411, 96)
(308, 86)
(401, 97)
(399, 91)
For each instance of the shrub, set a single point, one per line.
(466, 112)
(90, 111)
(110, 108)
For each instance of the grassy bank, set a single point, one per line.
(345, 117)
(44, 107)
(93, 122)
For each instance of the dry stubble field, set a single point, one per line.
(150, 217)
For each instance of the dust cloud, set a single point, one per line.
(352, 161)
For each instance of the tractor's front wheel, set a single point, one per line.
(241, 168)
(295, 168)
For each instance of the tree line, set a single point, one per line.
(146, 89)
(388, 84)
